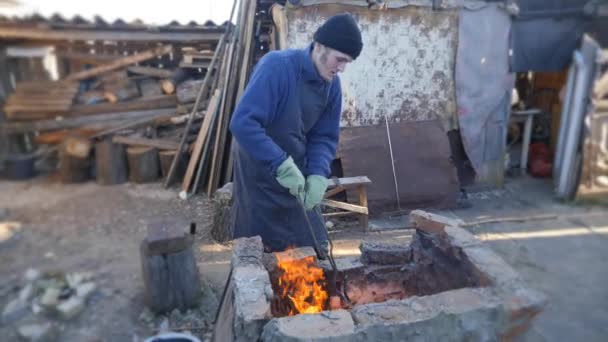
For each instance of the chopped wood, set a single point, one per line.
(169, 85)
(73, 168)
(151, 71)
(79, 147)
(136, 141)
(122, 62)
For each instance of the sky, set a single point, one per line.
(151, 12)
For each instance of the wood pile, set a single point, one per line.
(143, 119)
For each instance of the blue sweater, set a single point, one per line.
(271, 86)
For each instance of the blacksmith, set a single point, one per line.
(286, 128)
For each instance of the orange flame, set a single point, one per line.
(302, 282)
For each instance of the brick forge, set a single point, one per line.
(447, 285)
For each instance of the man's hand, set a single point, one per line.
(290, 177)
(315, 189)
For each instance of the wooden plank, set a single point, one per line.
(349, 181)
(334, 191)
(164, 101)
(200, 140)
(151, 71)
(49, 125)
(345, 206)
(122, 62)
(49, 35)
(136, 141)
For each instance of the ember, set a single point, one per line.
(301, 283)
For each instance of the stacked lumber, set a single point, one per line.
(40, 100)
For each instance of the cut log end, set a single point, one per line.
(168, 87)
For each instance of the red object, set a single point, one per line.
(540, 160)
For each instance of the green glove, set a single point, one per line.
(290, 177)
(315, 189)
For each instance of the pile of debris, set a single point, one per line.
(53, 295)
(141, 115)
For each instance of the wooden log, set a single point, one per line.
(143, 164)
(170, 273)
(164, 101)
(122, 92)
(119, 63)
(149, 87)
(222, 204)
(73, 167)
(111, 163)
(151, 71)
(166, 158)
(56, 137)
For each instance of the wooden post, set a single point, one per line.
(74, 160)
(111, 162)
(169, 269)
(143, 164)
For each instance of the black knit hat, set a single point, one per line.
(341, 33)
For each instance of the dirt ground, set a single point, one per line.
(94, 228)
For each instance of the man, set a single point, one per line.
(286, 128)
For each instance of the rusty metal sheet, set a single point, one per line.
(425, 174)
(406, 69)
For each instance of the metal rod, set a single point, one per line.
(198, 98)
(390, 148)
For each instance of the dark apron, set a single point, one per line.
(261, 205)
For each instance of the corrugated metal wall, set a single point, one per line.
(406, 69)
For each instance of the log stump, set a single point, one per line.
(169, 269)
(74, 160)
(221, 231)
(166, 158)
(143, 164)
(110, 162)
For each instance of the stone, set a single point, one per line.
(84, 290)
(459, 237)
(77, 278)
(14, 310)
(251, 301)
(27, 292)
(432, 223)
(247, 251)
(38, 332)
(31, 275)
(70, 308)
(384, 253)
(497, 271)
(336, 325)
(9, 233)
(50, 297)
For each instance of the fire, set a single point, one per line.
(302, 283)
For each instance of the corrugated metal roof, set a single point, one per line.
(56, 21)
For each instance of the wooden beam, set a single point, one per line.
(43, 34)
(151, 71)
(345, 206)
(349, 181)
(200, 140)
(158, 143)
(164, 101)
(119, 63)
(49, 125)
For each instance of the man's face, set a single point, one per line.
(329, 62)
